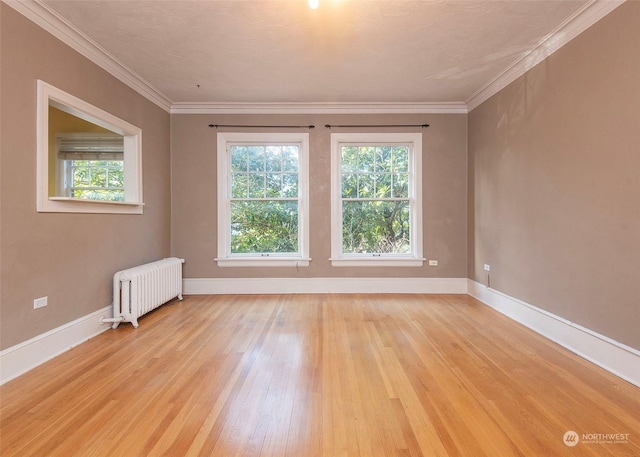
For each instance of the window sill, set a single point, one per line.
(377, 262)
(78, 205)
(263, 262)
(99, 202)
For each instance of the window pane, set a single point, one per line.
(256, 158)
(366, 186)
(379, 227)
(400, 159)
(400, 185)
(264, 227)
(81, 175)
(383, 159)
(289, 185)
(239, 156)
(274, 158)
(383, 185)
(256, 185)
(99, 176)
(366, 158)
(274, 185)
(239, 183)
(349, 159)
(116, 174)
(290, 158)
(349, 186)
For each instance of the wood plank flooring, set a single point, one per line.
(318, 375)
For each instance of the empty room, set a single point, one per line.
(324, 228)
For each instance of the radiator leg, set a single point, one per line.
(115, 320)
(180, 297)
(134, 321)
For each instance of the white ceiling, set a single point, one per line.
(346, 51)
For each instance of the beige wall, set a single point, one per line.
(68, 257)
(554, 188)
(193, 232)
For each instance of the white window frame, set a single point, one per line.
(413, 258)
(49, 95)
(225, 257)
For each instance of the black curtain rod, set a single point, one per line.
(264, 126)
(329, 126)
(378, 126)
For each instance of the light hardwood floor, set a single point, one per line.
(318, 375)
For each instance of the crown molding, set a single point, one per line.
(45, 17)
(580, 21)
(319, 108)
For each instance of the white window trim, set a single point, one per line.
(225, 258)
(413, 259)
(133, 204)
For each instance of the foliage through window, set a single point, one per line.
(91, 165)
(375, 199)
(376, 211)
(95, 179)
(262, 200)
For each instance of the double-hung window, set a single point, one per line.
(376, 207)
(90, 166)
(263, 195)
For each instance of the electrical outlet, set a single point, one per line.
(433, 263)
(40, 302)
(487, 267)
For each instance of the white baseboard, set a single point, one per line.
(27, 355)
(241, 286)
(617, 358)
